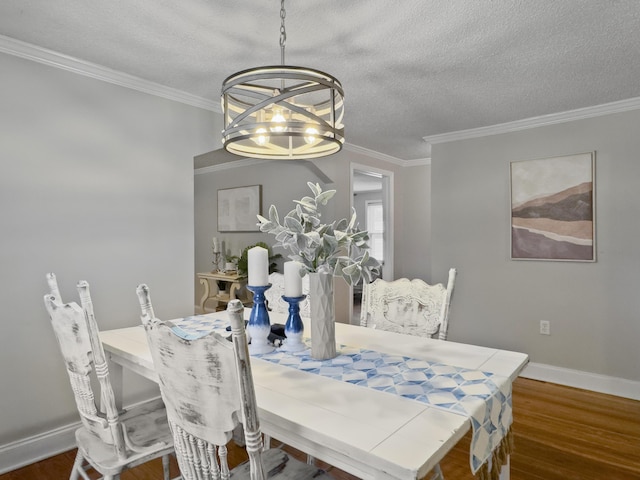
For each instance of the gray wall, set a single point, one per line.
(594, 308)
(413, 235)
(283, 182)
(96, 184)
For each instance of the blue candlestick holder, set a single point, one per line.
(259, 326)
(294, 328)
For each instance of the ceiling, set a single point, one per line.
(409, 68)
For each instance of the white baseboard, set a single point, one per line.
(38, 447)
(29, 450)
(619, 387)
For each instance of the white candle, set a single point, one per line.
(258, 263)
(292, 279)
(216, 246)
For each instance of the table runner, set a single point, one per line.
(483, 397)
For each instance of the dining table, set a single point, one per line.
(355, 424)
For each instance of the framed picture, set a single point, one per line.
(553, 209)
(238, 208)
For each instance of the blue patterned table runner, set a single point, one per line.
(483, 397)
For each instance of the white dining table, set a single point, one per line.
(371, 434)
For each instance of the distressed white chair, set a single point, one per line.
(411, 307)
(207, 386)
(275, 303)
(112, 441)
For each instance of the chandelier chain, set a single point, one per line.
(283, 32)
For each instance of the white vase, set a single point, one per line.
(323, 318)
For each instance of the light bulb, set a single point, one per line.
(261, 139)
(278, 121)
(310, 135)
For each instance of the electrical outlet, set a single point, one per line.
(545, 327)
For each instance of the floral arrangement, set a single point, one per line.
(338, 248)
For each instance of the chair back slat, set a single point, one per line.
(70, 328)
(444, 315)
(102, 370)
(52, 281)
(197, 458)
(411, 307)
(274, 295)
(207, 388)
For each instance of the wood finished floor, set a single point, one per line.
(561, 433)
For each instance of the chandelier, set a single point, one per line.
(282, 112)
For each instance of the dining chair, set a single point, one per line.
(273, 295)
(207, 386)
(109, 441)
(412, 307)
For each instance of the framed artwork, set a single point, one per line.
(238, 208)
(553, 209)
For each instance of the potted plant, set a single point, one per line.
(242, 261)
(324, 250)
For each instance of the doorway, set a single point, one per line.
(372, 198)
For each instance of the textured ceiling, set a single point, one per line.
(410, 68)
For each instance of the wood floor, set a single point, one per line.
(561, 433)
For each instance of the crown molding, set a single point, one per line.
(534, 122)
(418, 162)
(387, 158)
(48, 57)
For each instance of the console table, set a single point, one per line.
(233, 282)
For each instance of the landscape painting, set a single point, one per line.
(552, 209)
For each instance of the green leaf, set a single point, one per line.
(351, 269)
(307, 203)
(273, 214)
(330, 242)
(324, 197)
(267, 227)
(341, 224)
(282, 236)
(352, 223)
(340, 236)
(293, 224)
(314, 238)
(315, 188)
